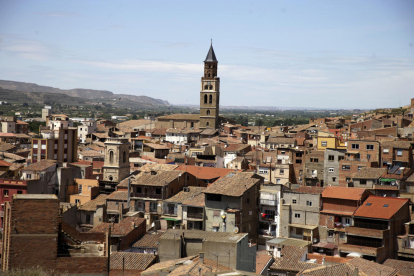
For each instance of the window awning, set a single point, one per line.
(172, 219)
(387, 179)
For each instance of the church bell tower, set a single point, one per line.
(210, 93)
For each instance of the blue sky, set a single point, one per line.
(326, 54)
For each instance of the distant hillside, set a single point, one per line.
(12, 96)
(89, 94)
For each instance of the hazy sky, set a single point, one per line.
(340, 54)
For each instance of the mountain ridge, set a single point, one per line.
(90, 94)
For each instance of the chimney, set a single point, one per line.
(323, 261)
(201, 258)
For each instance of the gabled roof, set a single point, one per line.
(40, 165)
(118, 195)
(205, 173)
(5, 164)
(380, 207)
(119, 229)
(343, 193)
(211, 56)
(371, 268)
(149, 240)
(370, 173)
(92, 205)
(405, 268)
(190, 192)
(290, 259)
(162, 178)
(131, 261)
(234, 184)
(397, 144)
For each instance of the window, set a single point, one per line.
(205, 87)
(111, 156)
(294, 201)
(215, 228)
(360, 167)
(89, 188)
(324, 143)
(348, 221)
(282, 171)
(28, 176)
(386, 151)
(6, 193)
(368, 156)
(341, 158)
(297, 215)
(346, 167)
(205, 97)
(19, 192)
(348, 179)
(298, 161)
(355, 146)
(208, 112)
(370, 147)
(368, 204)
(283, 152)
(330, 234)
(124, 156)
(299, 154)
(308, 203)
(331, 170)
(210, 99)
(333, 179)
(278, 181)
(363, 182)
(80, 189)
(213, 197)
(331, 158)
(158, 191)
(77, 201)
(342, 236)
(88, 219)
(139, 190)
(399, 152)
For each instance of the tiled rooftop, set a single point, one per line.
(234, 184)
(380, 207)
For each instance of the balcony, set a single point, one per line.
(366, 232)
(169, 212)
(364, 250)
(270, 202)
(270, 218)
(266, 232)
(195, 216)
(406, 250)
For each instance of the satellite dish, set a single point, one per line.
(236, 230)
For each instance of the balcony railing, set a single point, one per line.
(268, 202)
(365, 232)
(266, 232)
(195, 215)
(365, 250)
(170, 212)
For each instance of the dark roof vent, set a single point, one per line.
(368, 204)
(385, 205)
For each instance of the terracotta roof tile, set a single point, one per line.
(380, 207)
(290, 259)
(119, 229)
(405, 268)
(370, 173)
(371, 268)
(261, 261)
(309, 190)
(343, 193)
(131, 261)
(337, 269)
(40, 165)
(188, 194)
(397, 144)
(93, 204)
(148, 240)
(234, 184)
(197, 201)
(204, 172)
(5, 164)
(118, 195)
